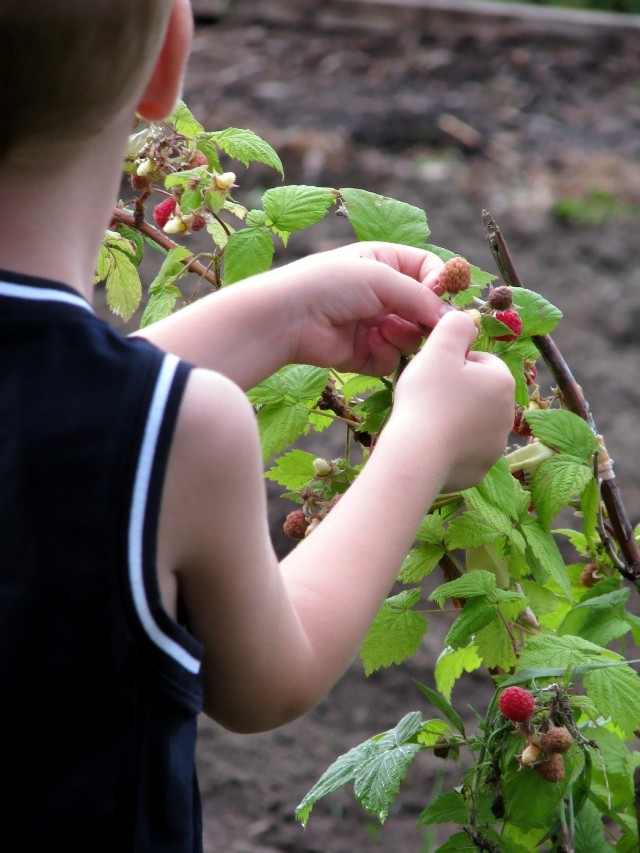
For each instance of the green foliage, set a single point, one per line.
(517, 604)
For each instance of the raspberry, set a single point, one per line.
(455, 275)
(516, 704)
(551, 770)
(556, 740)
(162, 211)
(501, 298)
(511, 319)
(295, 524)
(197, 222)
(198, 159)
(530, 754)
(225, 181)
(140, 182)
(475, 315)
(590, 576)
(520, 426)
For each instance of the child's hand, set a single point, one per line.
(358, 308)
(468, 397)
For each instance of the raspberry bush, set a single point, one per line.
(538, 561)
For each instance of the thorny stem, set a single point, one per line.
(574, 400)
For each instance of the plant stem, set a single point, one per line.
(574, 400)
(161, 239)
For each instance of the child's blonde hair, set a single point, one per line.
(69, 67)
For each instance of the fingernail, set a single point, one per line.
(444, 309)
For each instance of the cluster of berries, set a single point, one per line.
(455, 277)
(301, 522)
(546, 744)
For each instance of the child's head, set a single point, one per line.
(70, 67)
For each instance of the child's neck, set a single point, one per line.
(54, 218)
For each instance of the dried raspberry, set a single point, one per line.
(501, 298)
(455, 275)
(140, 182)
(530, 371)
(295, 524)
(551, 770)
(589, 576)
(520, 426)
(511, 319)
(516, 704)
(163, 211)
(556, 740)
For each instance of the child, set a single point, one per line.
(138, 583)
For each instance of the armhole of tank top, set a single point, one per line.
(164, 633)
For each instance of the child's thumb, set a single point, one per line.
(453, 334)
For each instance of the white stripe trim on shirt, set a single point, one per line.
(137, 519)
(43, 294)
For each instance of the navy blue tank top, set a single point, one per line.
(99, 687)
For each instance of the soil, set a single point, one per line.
(505, 117)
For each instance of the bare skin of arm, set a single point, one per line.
(278, 636)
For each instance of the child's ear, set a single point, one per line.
(165, 85)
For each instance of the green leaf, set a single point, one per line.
(163, 291)
(248, 252)
(490, 513)
(469, 530)
(377, 217)
(341, 772)
(293, 208)
(495, 646)
(395, 634)
(529, 799)
(183, 121)
(473, 584)
(378, 779)
(304, 382)
(449, 807)
(589, 831)
(564, 431)
(487, 558)
(444, 707)
(451, 664)
(515, 362)
(431, 529)
(122, 281)
(280, 426)
(476, 613)
(501, 489)
(375, 410)
(539, 317)
(293, 470)
(556, 483)
(615, 692)
(246, 147)
(420, 562)
(543, 548)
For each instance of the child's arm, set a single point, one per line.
(342, 308)
(277, 637)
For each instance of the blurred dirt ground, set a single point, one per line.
(542, 129)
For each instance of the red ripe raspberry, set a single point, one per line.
(516, 704)
(295, 524)
(455, 275)
(511, 319)
(162, 211)
(501, 298)
(558, 739)
(551, 770)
